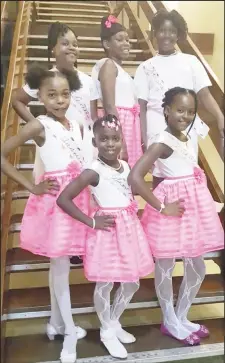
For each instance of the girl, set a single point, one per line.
(118, 254)
(116, 87)
(45, 229)
(169, 69)
(62, 44)
(182, 203)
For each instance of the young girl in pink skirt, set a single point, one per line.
(180, 218)
(46, 230)
(116, 87)
(113, 254)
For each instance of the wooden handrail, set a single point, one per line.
(10, 120)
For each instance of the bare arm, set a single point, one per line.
(94, 110)
(212, 107)
(143, 119)
(140, 187)
(20, 100)
(30, 131)
(107, 78)
(65, 200)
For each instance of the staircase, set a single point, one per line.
(25, 302)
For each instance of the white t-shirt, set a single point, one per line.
(158, 74)
(79, 108)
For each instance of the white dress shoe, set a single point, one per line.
(121, 334)
(53, 331)
(112, 344)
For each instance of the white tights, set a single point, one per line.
(61, 314)
(175, 319)
(122, 298)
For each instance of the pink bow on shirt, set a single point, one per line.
(111, 19)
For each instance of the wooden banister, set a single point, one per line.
(10, 121)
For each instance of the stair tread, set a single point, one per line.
(79, 37)
(81, 49)
(23, 300)
(74, 3)
(99, 11)
(149, 339)
(81, 22)
(79, 61)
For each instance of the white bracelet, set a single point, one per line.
(162, 206)
(94, 224)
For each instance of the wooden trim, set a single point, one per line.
(141, 33)
(10, 125)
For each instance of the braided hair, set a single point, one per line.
(110, 121)
(169, 98)
(177, 20)
(55, 31)
(36, 75)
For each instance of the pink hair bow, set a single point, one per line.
(111, 19)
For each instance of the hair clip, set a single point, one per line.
(111, 20)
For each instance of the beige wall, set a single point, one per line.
(205, 17)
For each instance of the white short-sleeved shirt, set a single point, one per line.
(79, 108)
(124, 89)
(159, 74)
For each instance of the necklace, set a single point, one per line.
(166, 55)
(116, 169)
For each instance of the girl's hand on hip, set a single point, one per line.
(104, 222)
(48, 186)
(175, 209)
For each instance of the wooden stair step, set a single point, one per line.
(81, 49)
(71, 15)
(76, 3)
(84, 11)
(79, 61)
(38, 299)
(78, 22)
(150, 345)
(80, 38)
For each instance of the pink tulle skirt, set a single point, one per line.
(46, 230)
(121, 254)
(197, 232)
(130, 121)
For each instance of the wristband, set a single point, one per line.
(94, 224)
(162, 206)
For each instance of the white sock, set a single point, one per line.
(164, 290)
(194, 274)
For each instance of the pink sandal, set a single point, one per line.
(192, 339)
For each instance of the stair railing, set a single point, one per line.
(10, 123)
